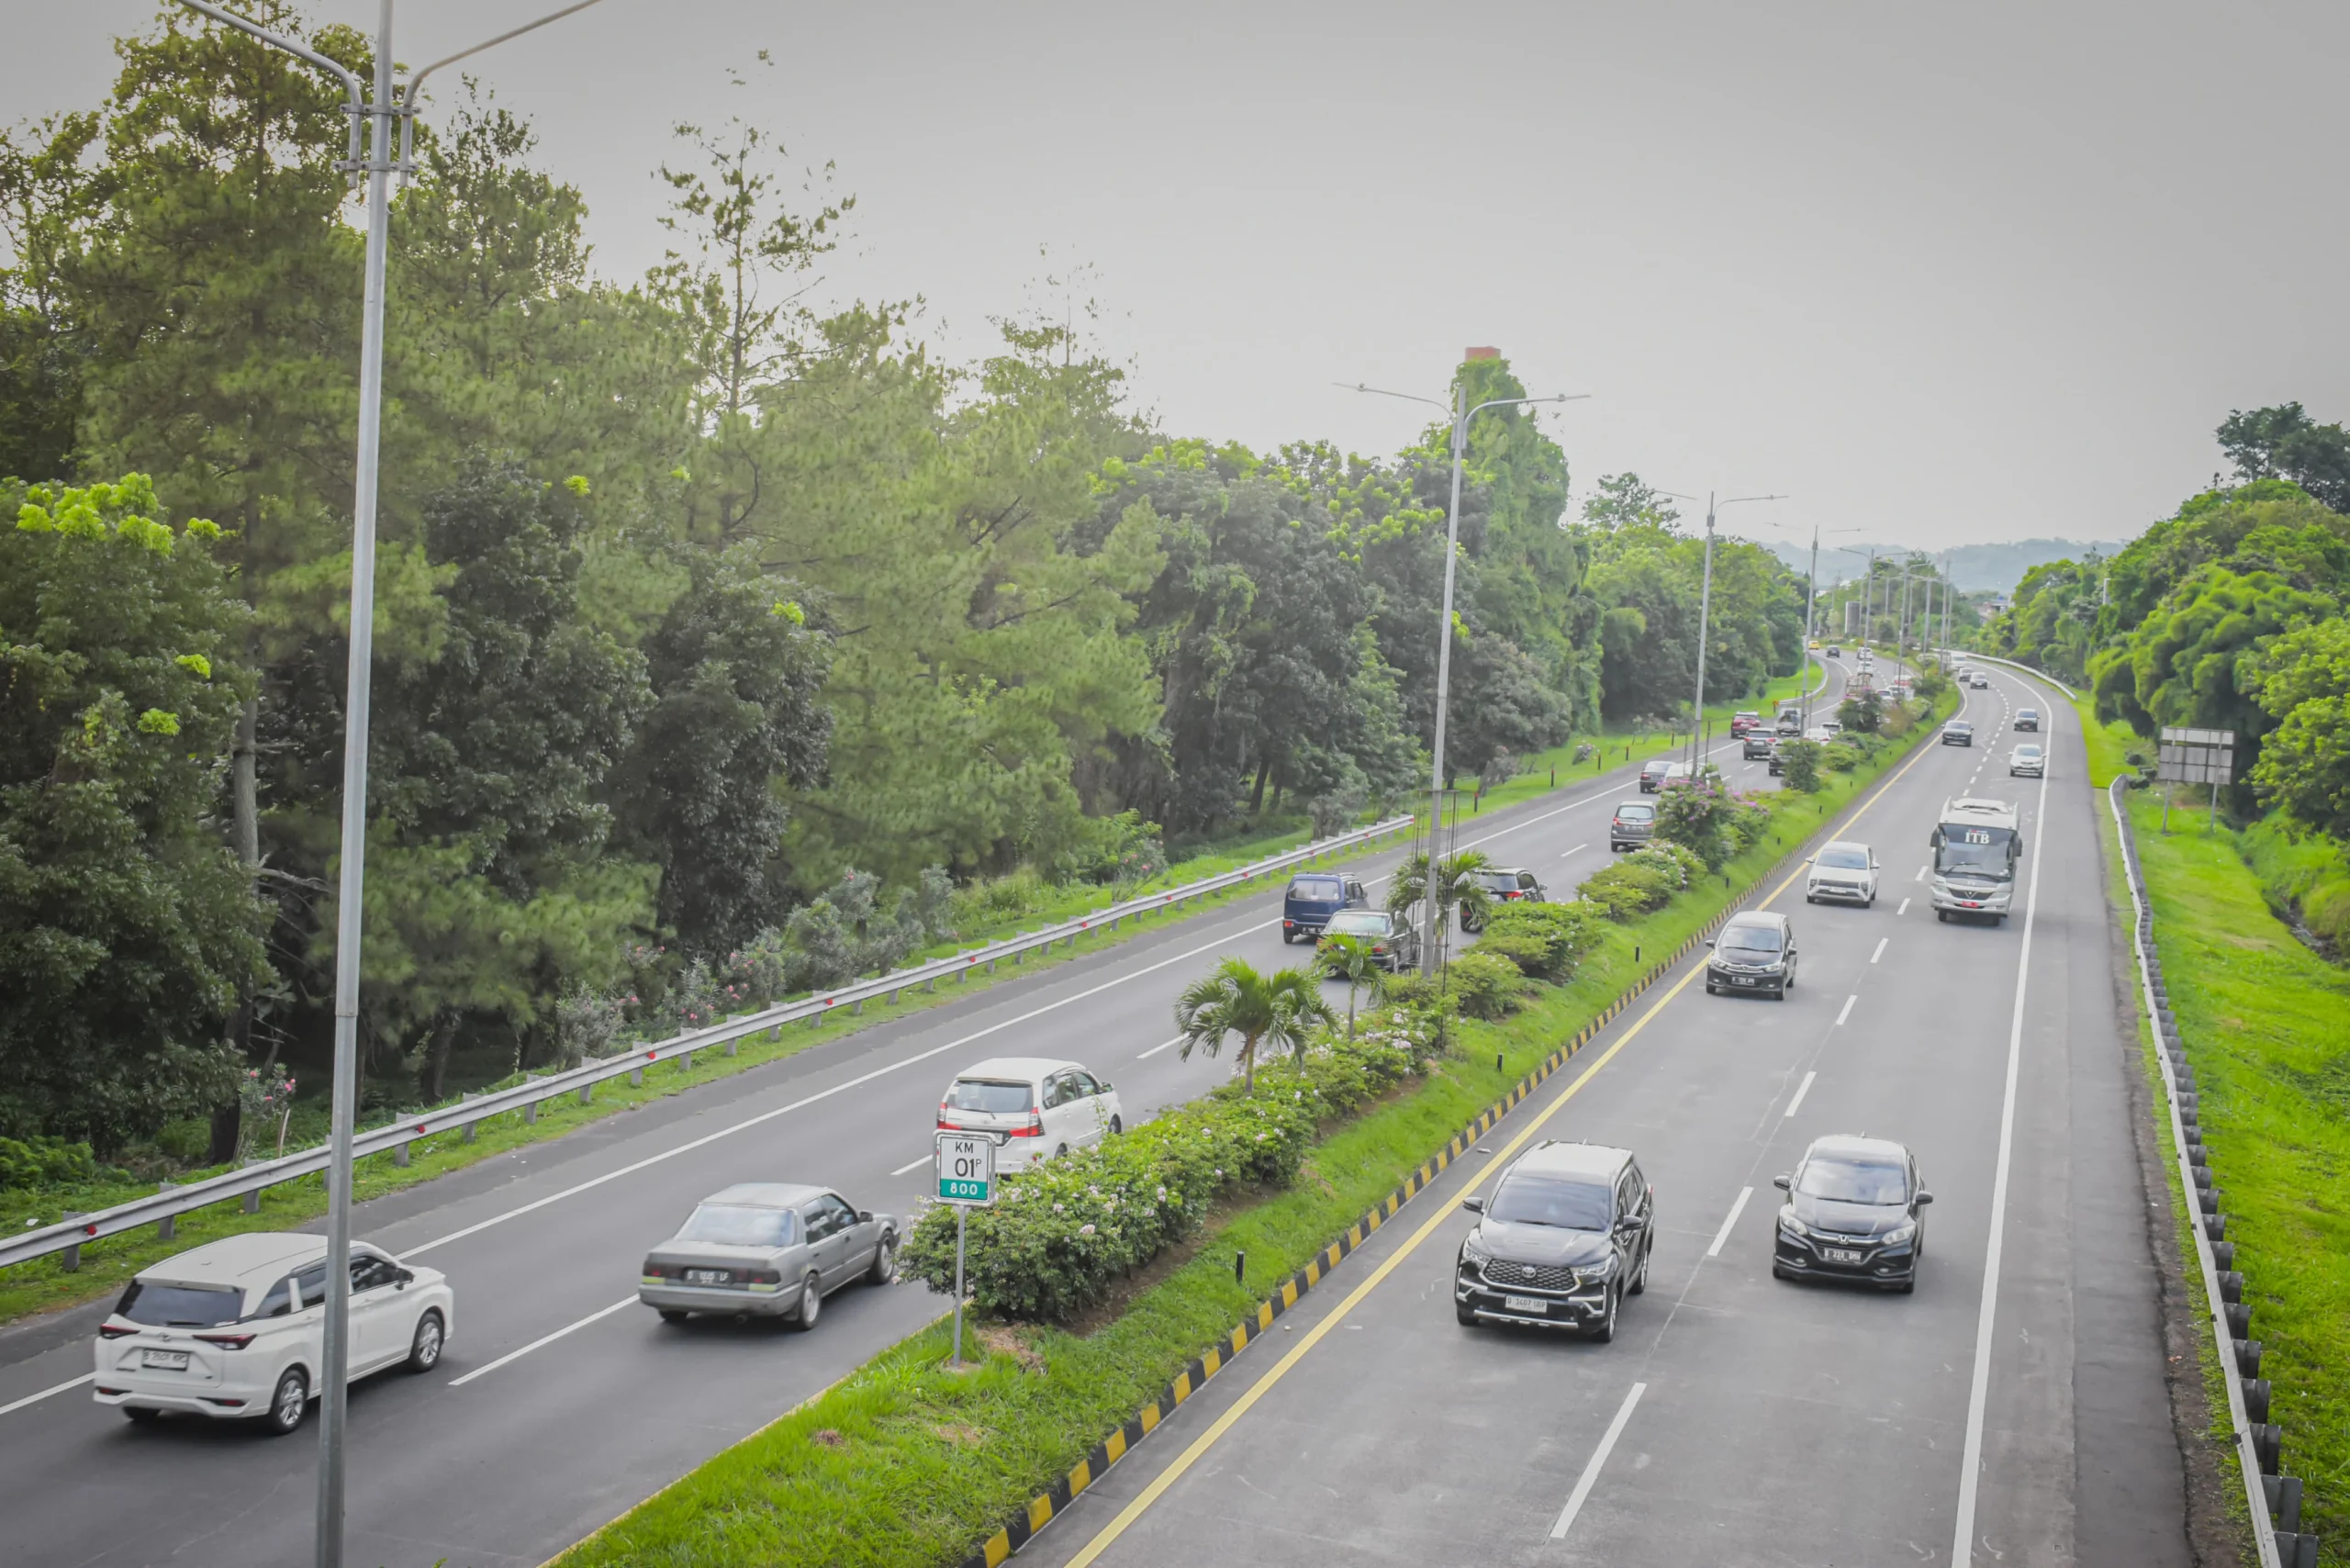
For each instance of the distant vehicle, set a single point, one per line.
(1981, 682)
(1755, 952)
(1743, 722)
(2028, 718)
(1842, 870)
(1789, 722)
(767, 1249)
(1033, 1107)
(1853, 1211)
(1977, 844)
(1314, 896)
(1659, 771)
(1835, 653)
(2027, 761)
(1832, 727)
(236, 1330)
(1789, 705)
(1759, 744)
(1564, 1239)
(1819, 734)
(1394, 941)
(1958, 732)
(1633, 825)
(1505, 884)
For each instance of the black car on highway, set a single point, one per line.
(1564, 1239)
(1958, 732)
(2028, 718)
(1855, 1211)
(1756, 953)
(1503, 885)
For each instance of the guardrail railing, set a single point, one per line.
(248, 1183)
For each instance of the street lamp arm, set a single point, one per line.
(416, 82)
(356, 109)
(1383, 392)
(1733, 501)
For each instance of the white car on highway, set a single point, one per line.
(1843, 871)
(236, 1330)
(1033, 1107)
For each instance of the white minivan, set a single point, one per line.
(1033, 1107)
(235, 1329)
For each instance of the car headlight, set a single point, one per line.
(1472, 1253)
(1792, 1225)
(1899, 1234)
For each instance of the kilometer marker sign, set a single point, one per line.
(966, 1169)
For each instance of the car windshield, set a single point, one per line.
(1958, 729)
(2027, 712)
(1499, 881)
(738, 1225)
(1561, 1203)
(1316, 888)
(993, 1097)
(1846, 1181)
(1636, 810)
(180, 1306)
(1752, 938)
(1844, 857)
(1358, 922)
(1657, 766)
(2026, 751)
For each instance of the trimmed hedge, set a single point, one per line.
(1644, 881)
(1486, 985)
(1546, 941)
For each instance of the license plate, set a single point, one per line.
(1840, 1254)
(1526, 1304)
(1742, 979)
(165, 1361)
(707, 1276)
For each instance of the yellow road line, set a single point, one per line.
(1167, 1478)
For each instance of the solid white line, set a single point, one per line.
(1903, 910)
(535, 1344)
(1576, 850)
(1160, 1047)
(1921, 876)
(1801, 1090)
(1880, 948)
(1591, 1470)
(1978, 1393)
(1736, 1209)
(1846, 1011)
(37, 1398)
(930, 1159)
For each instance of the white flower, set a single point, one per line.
(1085, 1230)
(1061, 1208)
(1162, 1195)
(1219, 1175)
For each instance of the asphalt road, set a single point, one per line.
(1737, 1419)
(561, 1401)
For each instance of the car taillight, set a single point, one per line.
(114, 1330)
(652, 1269)
(766, 1276)
(228, 1341)
(1036, 1127)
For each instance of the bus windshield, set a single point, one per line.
(1977, 852)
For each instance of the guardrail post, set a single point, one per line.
(733, 1044)
(400, 1156)
(636, 1078)
(71, 1259)
(531, 1114)
(688, 1060)
(586, 1093)
(252, 1201)
(473, 1130)
(168, 1227)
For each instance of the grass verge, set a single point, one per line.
(906, 1464)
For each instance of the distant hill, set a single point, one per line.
(1975, 568)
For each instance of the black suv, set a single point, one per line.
(1852, 1212)
(2028, 718)
(1958, 732)
(1504, 885)
(1754, 953)
(1564, 1239)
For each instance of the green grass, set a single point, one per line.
(906, 1464)
(45, 1284)
(2266, 1026)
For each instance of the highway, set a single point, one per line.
(2011, 1411)
(561, 1401)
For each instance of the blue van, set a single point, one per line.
(1314, 896)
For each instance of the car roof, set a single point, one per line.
(1845, 1146)
(1756, 917)
(1017, 1070)
(1841, 844)
(1551, 1157)
(766, 1194)
(1644, 805)
(238, 1261)
(1503, 871)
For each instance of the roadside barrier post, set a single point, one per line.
(962, 1215)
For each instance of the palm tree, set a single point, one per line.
(1458, 887)
(1350, 959)
(1279, 1010)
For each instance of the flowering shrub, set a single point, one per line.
(1487, 985)
(1704, 816)
(1546, 941)
(1642, 882)
(265, 1103)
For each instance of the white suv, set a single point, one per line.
(1033, 1107)
(237, 1328)
(1842, 870)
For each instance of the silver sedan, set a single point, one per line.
(769, 1249)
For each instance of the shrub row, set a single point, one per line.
(1644, 881)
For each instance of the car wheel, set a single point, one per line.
(1640, 1278)
(1713, 990)
(1603, 1331)
(1778, 1273)
(811, 1302)
(1061, 1153)
(1942, 915)
(1809, 898)
(1116, 1127)
(672, 1314)
(425, 1345)
(1466, 1317)
(885, 1260)
(142, 1415)
(1909, 1286)
(288, 1403)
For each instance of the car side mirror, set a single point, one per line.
(1780, 1181)
(1107, 1086)
(1473, 1203)
(865, 1216)
(1925, 1198)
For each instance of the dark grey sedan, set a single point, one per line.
(769, 1249)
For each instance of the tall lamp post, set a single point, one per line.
(377, 161)
(1704, 611)
(1462, 416)
(1868, 587)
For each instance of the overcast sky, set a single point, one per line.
(1941, 273)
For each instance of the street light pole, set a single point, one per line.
(1461, 417)
(1705, 613)
(377, 161)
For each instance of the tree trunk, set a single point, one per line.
(227, 1119)
(1257, 795)
(244, 821)
(1248, 1066)
(436, 1069)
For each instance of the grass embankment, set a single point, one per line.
(906, 1464)
(44, 1283)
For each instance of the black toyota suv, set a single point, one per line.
(1564, 1239)
(1853, 1211)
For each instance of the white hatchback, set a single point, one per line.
(235, 1329)
(1844, 871)
(1033, 1107)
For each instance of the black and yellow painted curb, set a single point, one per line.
(1045, 1505)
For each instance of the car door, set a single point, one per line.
(858, 1237)
(1090, 1112)
(1529, 888)
(1356, 897)
(1793, 956)
(378, 1328)
(834, 1248)
(1054, 1099)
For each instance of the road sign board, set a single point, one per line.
(966, 1169)
(2197, 756)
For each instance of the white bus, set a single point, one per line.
(1977, 844)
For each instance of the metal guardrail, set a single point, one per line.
(2016, 665)
(2259, 1444)
(248, 1183)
